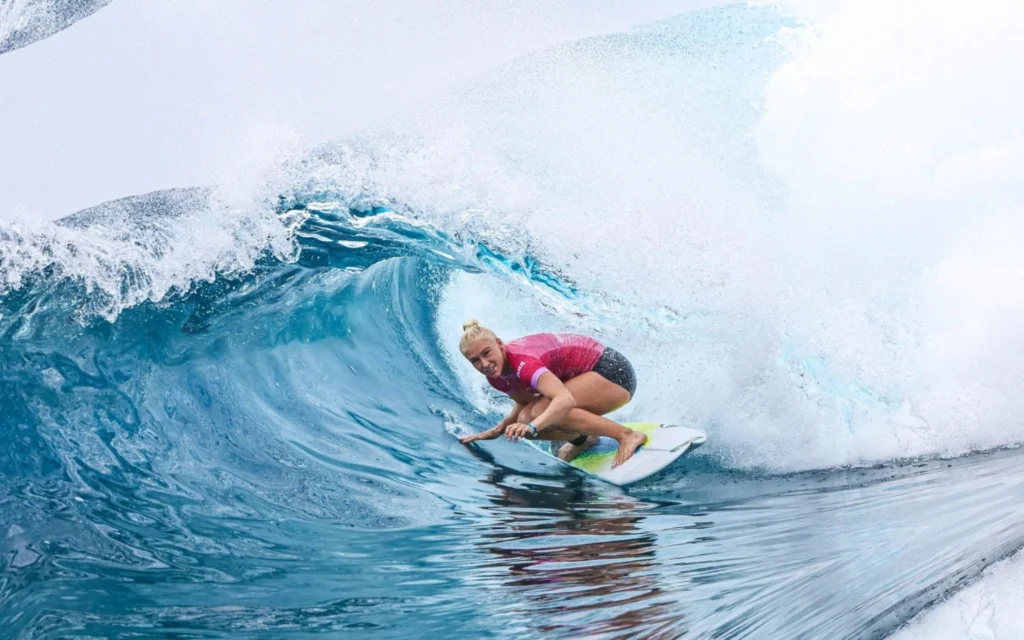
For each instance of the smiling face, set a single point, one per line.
(486, 355)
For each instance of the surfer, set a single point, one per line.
(562, 385)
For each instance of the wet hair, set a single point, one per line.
(471, 332)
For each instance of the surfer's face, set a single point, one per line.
(486, 356)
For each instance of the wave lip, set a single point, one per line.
(141, 248)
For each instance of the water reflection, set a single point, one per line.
(578, 562)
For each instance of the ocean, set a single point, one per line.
(232, 409)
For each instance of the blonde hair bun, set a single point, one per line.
(471, 332)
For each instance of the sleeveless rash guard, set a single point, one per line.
(565, 355)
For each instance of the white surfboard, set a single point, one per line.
(665, 444)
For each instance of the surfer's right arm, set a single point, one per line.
(495, 432)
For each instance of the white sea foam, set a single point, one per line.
(988, 609)
(832, 237)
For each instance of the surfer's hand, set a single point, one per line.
(519, 430)
(490, 434)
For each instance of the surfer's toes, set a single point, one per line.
(629, 446)
(569, 451)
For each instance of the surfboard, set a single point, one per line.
(666, 443)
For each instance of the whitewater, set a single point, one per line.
(231, 391)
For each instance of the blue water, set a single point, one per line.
(225, 418)
(267, 456)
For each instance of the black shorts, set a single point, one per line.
(613, 367)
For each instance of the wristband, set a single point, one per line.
(532, 426)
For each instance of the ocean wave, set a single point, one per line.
(232, 409)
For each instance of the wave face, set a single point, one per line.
(23, 22)
(231, 410)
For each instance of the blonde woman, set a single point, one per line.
(562, 385)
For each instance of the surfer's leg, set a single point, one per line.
(572, 448)
(595, 396)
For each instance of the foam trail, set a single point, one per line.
(989, 609)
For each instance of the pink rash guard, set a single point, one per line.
(565, 355)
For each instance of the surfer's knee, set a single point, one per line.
(536, 408)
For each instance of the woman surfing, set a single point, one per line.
(562, 385)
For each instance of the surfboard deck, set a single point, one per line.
(666, 443)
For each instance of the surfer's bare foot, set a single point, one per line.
(629, 445)
(568, 451)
